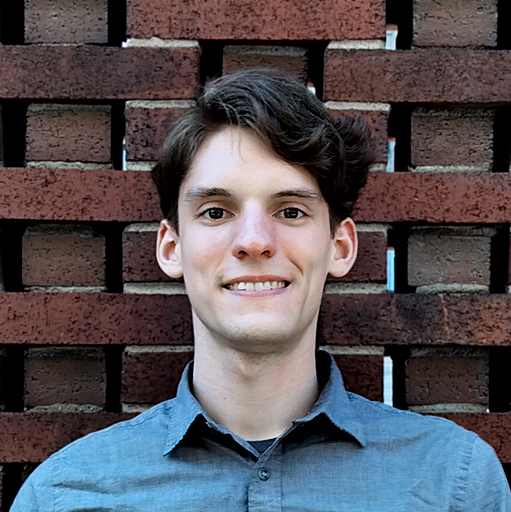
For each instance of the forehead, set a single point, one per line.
(237, 160)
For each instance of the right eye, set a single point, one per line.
(215, 213)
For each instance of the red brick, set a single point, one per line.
(371, 262)
(33, 437)
(63, 255)
(455, 23)
(377, 122)
(292, 60)
(362, 374)
(449, 256)
(150, 377)
(243, 20)
(146, 130)
(75, 21)
(447, 376)
(98, 73)
(65, 376)
(452, 137)
(139, 255)
(79, 133)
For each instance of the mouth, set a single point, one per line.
(259, 286)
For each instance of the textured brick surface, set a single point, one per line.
(362, 374)
(66, 21)
(455, 23)
(65, 376)
(449, 256)
(460, 76)
(68, 132)
(63, 255)
(447, 376)
(452, 137)
(377, 122)
(152, 377)
(244, 20)
(34, 437)
(292, 60)
(91, 72)
(146, 130)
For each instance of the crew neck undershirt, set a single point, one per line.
(263, 445)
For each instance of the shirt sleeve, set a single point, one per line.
(36, 494)
(487, 488)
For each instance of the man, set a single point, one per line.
(257, 184)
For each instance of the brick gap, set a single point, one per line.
(507, 470)
(503, 19)
(400, 128)
(113, 360)
(499, 391)
(316, 66)
(15, 474)
(11, 250)
(117, 25)
(399, 356)
(211, 60)
(400, 13)
(499, 260)
(112, 231)
(118, 131)
(501, 140)
(398, 239)
(14, 121)
(14, 379)
(12, 22)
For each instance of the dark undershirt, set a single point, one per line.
(262, 446)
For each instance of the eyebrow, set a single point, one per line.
(199, 193)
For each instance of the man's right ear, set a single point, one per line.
(168, 250)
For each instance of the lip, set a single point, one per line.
(256, 279)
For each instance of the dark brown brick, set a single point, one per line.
(449, 256)
(447, 376)
(494, 428)
(63, 255)
(377, 122)
(75, 21)
(292, 60)
(362, 374)
(65, 376)
(243, 20)
(98, 73)
(33, 437)
(78, 133)
(461, 137)
(139, 255)
(455, 23)
(150, 377)
(146, 130)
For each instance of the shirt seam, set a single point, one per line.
(464, 469)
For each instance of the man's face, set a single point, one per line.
(254, 245)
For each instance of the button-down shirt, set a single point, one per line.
(348, 454)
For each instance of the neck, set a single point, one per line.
(256, 396)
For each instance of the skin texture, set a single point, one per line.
(245, 215)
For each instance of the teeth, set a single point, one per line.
(257, 287)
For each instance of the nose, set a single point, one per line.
(254, 235)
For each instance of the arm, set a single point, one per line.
(36, 494)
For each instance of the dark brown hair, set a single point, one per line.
(289, 119)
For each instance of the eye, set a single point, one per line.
(291, 213)
(214, 214)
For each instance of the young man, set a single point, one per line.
(257, 184)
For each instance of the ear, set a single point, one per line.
(168, 250)
(345, 248)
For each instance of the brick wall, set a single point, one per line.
(92, 332)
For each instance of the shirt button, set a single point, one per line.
(263, 474)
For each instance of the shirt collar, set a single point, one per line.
(333, 402)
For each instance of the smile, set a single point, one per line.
(257, 287)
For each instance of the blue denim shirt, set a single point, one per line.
(348, 454)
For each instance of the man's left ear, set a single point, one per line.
(345, 248)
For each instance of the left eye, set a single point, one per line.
(291, 213)
(215, 213)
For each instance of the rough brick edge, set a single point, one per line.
(130, 196)
(494, 428)
(100, 73)
(33, 437)
(349, 319)
(461, 76)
